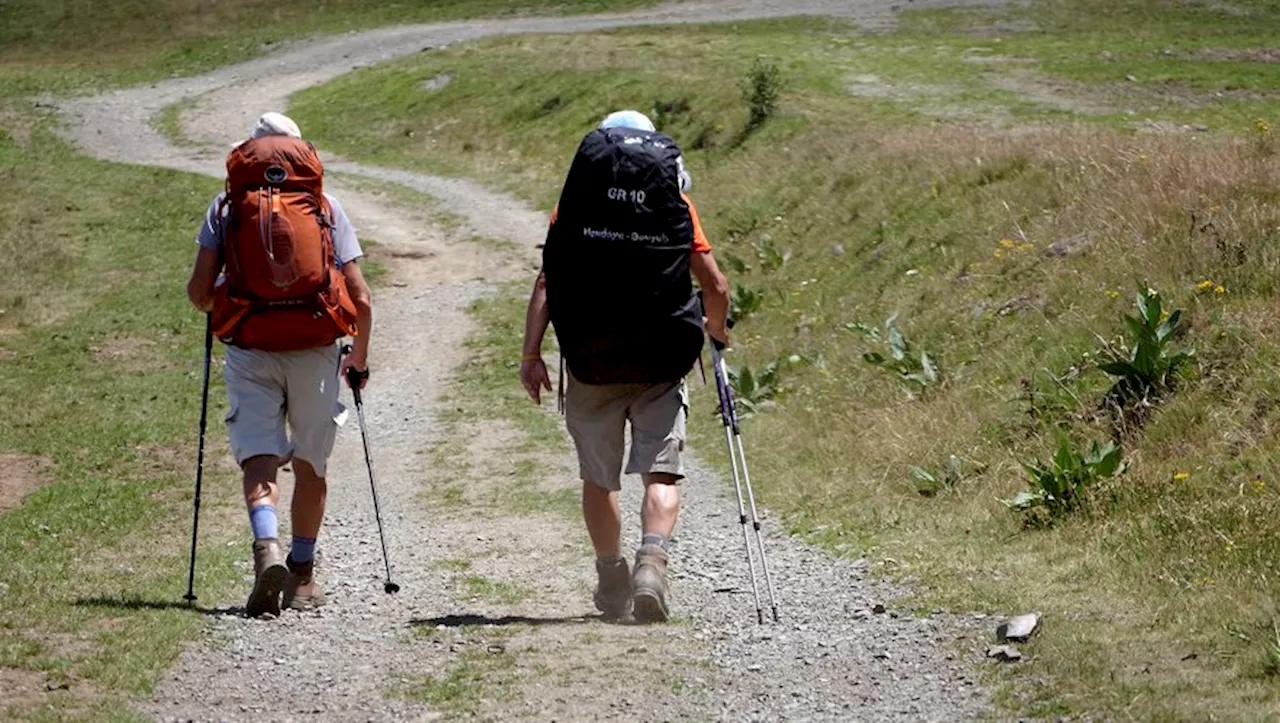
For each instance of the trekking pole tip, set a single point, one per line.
(189, 597)
(391, 588)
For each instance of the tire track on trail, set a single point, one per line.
(831, 658)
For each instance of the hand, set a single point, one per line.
(717, 332)
(359, 363)
(534, 377)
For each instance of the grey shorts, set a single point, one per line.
(597, 416)
(268, 389)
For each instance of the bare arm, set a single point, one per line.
(536, 319)
(363, 299)
(533, 371)
(203, 276)
(715, 294)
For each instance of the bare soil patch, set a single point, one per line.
(1239, 55)
(437, 83)
(20, 475)
(22, 688)
(1049, 93)
(120, 349)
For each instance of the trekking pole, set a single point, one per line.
(738, 456)
(354, 377)
(204, 419)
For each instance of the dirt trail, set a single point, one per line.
(497, 591)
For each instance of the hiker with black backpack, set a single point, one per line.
(277, 271)
(615, 284)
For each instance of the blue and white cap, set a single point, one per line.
(637, 121)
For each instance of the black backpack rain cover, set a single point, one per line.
(617, 263)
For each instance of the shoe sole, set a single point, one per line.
(265, 598)
(649, 608)
(303, 604)
(614, 613)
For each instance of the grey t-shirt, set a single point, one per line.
(345, 245)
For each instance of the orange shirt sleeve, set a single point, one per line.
(700, 243)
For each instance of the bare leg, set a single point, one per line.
(260, 481)
(604, 519)
(261, 490)
(661, 506)
(308, 500)
(301, 589)
(658, 516)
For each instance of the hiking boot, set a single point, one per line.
(613, 590)
(268, 577)
(650, 584)
(301, 589)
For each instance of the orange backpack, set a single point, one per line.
(283, 290)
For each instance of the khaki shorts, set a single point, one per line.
(268, 389)
(597, 416)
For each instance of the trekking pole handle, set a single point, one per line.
(716, 343)
(354, 376)
(728, 322)
(728, 407)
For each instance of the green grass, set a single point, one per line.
(169, 122)
(476, 676)
(482, 392)
(935, 197)
(485, 669)
(100, 364)
(497, 591)
(74, 45)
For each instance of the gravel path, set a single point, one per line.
(832, 658)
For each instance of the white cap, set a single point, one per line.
(275, 124)
(633, 119)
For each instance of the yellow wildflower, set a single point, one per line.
(1259, 485)
(1205, 285)
(1180, 476)
(1219, 289)
(998, 254)
(1006, 243)
(1113, 294)
(1260, 127)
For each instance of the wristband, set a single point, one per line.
(531, 357)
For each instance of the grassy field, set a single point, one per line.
(1004, 183)
(100, 362)
(78, 45)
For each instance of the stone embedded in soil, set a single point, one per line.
(1067, 246)
(1004, 654)
(1018, 629)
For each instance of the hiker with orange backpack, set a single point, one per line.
(615, 284)
(278, 272)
